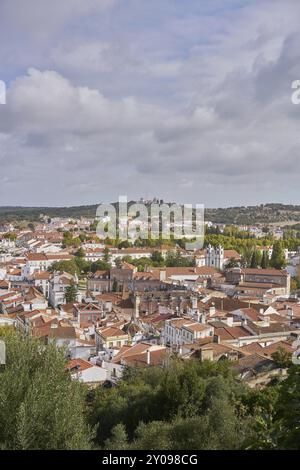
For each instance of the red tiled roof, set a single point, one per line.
(79, 365)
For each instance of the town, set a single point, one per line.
(149, 230)
(113, 305)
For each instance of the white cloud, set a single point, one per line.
(194, 107)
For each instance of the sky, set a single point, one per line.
(189, 101)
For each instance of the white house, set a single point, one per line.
(86, 372)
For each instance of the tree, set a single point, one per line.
(31, 226)
(41, 407)
(286, 427)
(10, 236)
(157, 257)
(115, 286)
(100, 266)
(124, 244)
(282, 358)
(71, 293)
(69, 240)
(265, 260)
(255, 259)
(82, 265)
(80, 253)
(184, 405)
(175, 260)
(106, 256)
(232, 263)
(294, 284)
(277, 258)
(70, 267)
(118, 440)
(118, 262)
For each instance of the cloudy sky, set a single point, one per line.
(187, 100)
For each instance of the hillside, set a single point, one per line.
(262, 214)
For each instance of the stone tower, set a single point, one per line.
(136, 308)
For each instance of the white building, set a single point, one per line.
(37, 262)
(86, 372)
(180, 331)
(57, 288)
(218, 257)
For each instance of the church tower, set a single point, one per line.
(209, 256)
(219, 257)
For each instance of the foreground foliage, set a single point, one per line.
(40, 407)
(192, 405)
(185, 405)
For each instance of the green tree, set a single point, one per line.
(265, 260)
(31, 226)
(80, 253)
(203, 397)
(255, 259)
(175, 260)
(70, 267)
(282, 358)
(294, 284)
(100, 266)
(157, 257)
(232, 263)
(286, 427)
(41, 407)
(10, 236)
(83, 265)
(277, 259)
(106, 256)
(124, 244)
(71, 293)
(115, 286)
(118, 440)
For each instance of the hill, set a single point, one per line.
(261, 214)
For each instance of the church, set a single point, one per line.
(217, 257)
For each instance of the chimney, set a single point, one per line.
(217, 339)
(148, 357)
(137, 302)
(206, 354)
(194, 303)
(212, 310)
(123, 291)
(290, 312)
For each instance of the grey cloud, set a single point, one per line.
(204, 116)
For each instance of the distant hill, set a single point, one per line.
(262, 214)
(33, 214)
